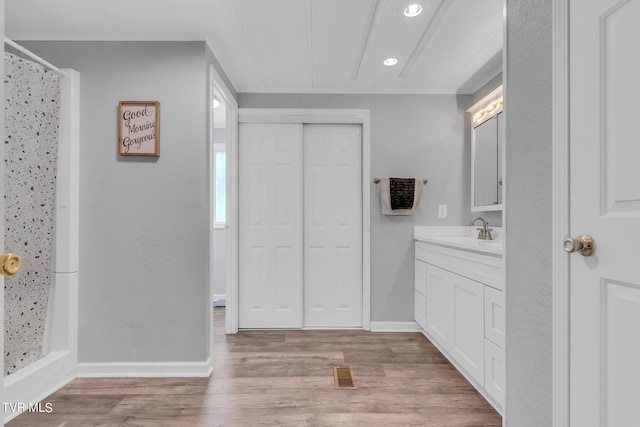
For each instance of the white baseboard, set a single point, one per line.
(146, 369)
(395, 327)
(37, 381)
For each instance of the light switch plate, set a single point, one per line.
(442, 211)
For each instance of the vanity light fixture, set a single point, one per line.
(488, 110)
(413, 10)
(390, 62)
(215, 102)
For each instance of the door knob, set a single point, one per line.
(583, 244)
(9, 264)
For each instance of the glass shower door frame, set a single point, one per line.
(60, 365)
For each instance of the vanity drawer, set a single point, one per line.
(494, 316)
(483, 268)
(494, 371)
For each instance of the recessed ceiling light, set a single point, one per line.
(215, 102)
(412, 10)
(390, 62)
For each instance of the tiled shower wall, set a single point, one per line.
(32, 109)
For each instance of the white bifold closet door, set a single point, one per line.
(300, 251)
(332, 226)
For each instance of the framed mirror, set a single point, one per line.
(487, 143)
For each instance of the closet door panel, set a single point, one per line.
(333, 226)
(270, 225)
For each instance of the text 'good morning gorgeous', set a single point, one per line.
(140, 125)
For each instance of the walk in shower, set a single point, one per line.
(41, 225)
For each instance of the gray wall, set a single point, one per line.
(143, 221)
(529, 216)
(411, 135)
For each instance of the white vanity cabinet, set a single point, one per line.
(462, 291)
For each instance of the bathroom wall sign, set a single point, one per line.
(139, 128)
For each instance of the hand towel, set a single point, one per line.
(400, 196)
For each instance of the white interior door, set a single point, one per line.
(333, 225)
(270, 226)
(605, 203)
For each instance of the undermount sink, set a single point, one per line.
(459, 238)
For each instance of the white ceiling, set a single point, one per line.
(301, 46)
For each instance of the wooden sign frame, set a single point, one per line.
(139, 128)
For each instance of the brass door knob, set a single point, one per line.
(583, 244)
(9, 264)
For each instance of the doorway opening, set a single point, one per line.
(222, 137)
(219, 198)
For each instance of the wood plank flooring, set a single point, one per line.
(284, 378)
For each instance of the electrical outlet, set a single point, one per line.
(442, 211)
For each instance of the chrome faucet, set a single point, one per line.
(484, 233)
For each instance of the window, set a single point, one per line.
(220, 185)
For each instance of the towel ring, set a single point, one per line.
(377, 180)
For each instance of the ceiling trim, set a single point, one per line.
(375, 19)
(316, 91)
(428, 34)
(250, 42)
(309, 30)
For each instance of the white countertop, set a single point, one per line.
(460, 237)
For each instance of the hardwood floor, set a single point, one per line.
(284, 378)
